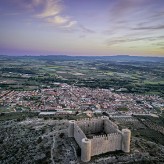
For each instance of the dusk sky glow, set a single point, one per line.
(82, 27)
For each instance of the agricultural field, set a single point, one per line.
(145, 127)
(121, 75)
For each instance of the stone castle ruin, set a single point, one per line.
(97, 136)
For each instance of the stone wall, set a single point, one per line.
(106, 143)
(113, 140)
(110, 127)
(91, 126)
(78, 134)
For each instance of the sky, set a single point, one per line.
(82, 27)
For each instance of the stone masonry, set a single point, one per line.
(112, 139)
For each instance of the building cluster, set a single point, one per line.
(73, 98)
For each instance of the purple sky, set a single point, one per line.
(82, 27)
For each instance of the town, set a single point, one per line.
(68, 99)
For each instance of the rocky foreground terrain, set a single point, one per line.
(40, 141)
(28, 141)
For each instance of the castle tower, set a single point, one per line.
(71, 128)
(86, 150)
(126, 135)
(104, 118)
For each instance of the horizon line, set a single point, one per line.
(152, 56)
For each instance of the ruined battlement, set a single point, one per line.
(111, 140)
(88, 119)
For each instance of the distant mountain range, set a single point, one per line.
(120, 58)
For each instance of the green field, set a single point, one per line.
(26, 73)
